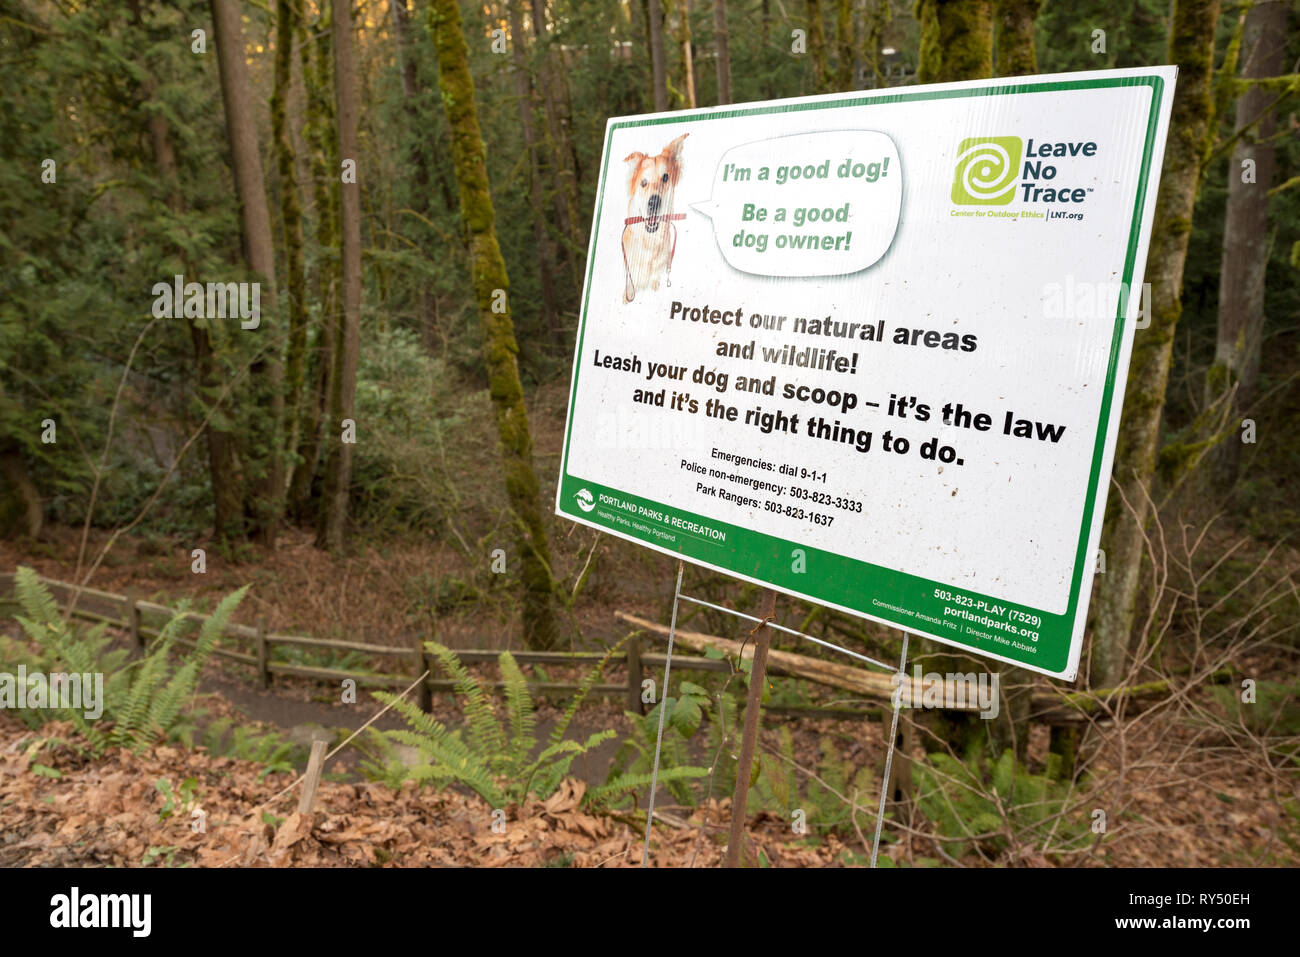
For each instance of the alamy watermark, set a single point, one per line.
(82, 692)
(954, 692)
(179, 299)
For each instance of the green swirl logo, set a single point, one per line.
(986, 170)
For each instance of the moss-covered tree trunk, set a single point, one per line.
(722, 41)
(1245, 234)
(957, 44)
(347, 335)
(817, 47)
(1015, 37)
(318, 132)
(265, 500)
(1191, 47)
(956, 40)
(499, 347)
(290, 223)
(844, 45)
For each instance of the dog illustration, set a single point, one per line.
(649, 236)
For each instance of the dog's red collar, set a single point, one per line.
(633, 220)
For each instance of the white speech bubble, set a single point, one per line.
(807, 204)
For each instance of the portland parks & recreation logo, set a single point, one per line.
(986, 169)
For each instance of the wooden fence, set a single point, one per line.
(144, 620)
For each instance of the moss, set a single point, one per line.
(956, 40)
(1191, 47)
(499, 345)
(1015, 37)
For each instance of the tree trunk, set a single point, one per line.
(817, 47)
(419, 165)
(658, 68)
(844, 43)
(259, 252)
(1015, 37)
(957, 44)
(1245, 234)
(499, 346)
(291, 224)
(347, 336)
(542, 239)
(21, 510)
(223, 460)
(563, 167)
(1191, 47)
(956, 40)
(722, 40)
(688, 63)
(319, 134)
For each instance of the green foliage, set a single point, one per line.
(143, 700)
(781, 787)
(273, 750)
(426, 429)
(633, 762)
(958, 800)
(1275, 713)
(184, 798)
(495, 760)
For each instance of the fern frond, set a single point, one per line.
(584, 688)
(519, 707)
(485, 734)
(623, 784)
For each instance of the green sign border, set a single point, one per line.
(851, 585)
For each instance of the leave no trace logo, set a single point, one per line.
(985, 174)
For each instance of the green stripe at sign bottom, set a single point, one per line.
(1038, 639)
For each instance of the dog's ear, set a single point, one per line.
(674, 151)
(635, 160)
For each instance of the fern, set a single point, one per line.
(622, 785)
(143, 699)
(587, 682)
(484, 731)
(519, 708)
(495, 762)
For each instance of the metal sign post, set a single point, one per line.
(762, 634)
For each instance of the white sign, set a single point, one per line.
(870, 348)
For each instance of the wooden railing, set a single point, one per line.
(143, 620)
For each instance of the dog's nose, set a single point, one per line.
(653, 204)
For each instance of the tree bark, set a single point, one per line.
(21, 508)
(1191, 47)
(817, 47)
(956, 40)
(318, 132)
(688, 62)
(1245, 234)
(499, 347)
(419, 165)
(722, 40)
(1015, 37)
(259, 253)
(542, 239)
(658, 68)
(291, 223)
(844, 43)
(347, 336)
(562, 163)
(223, 458)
